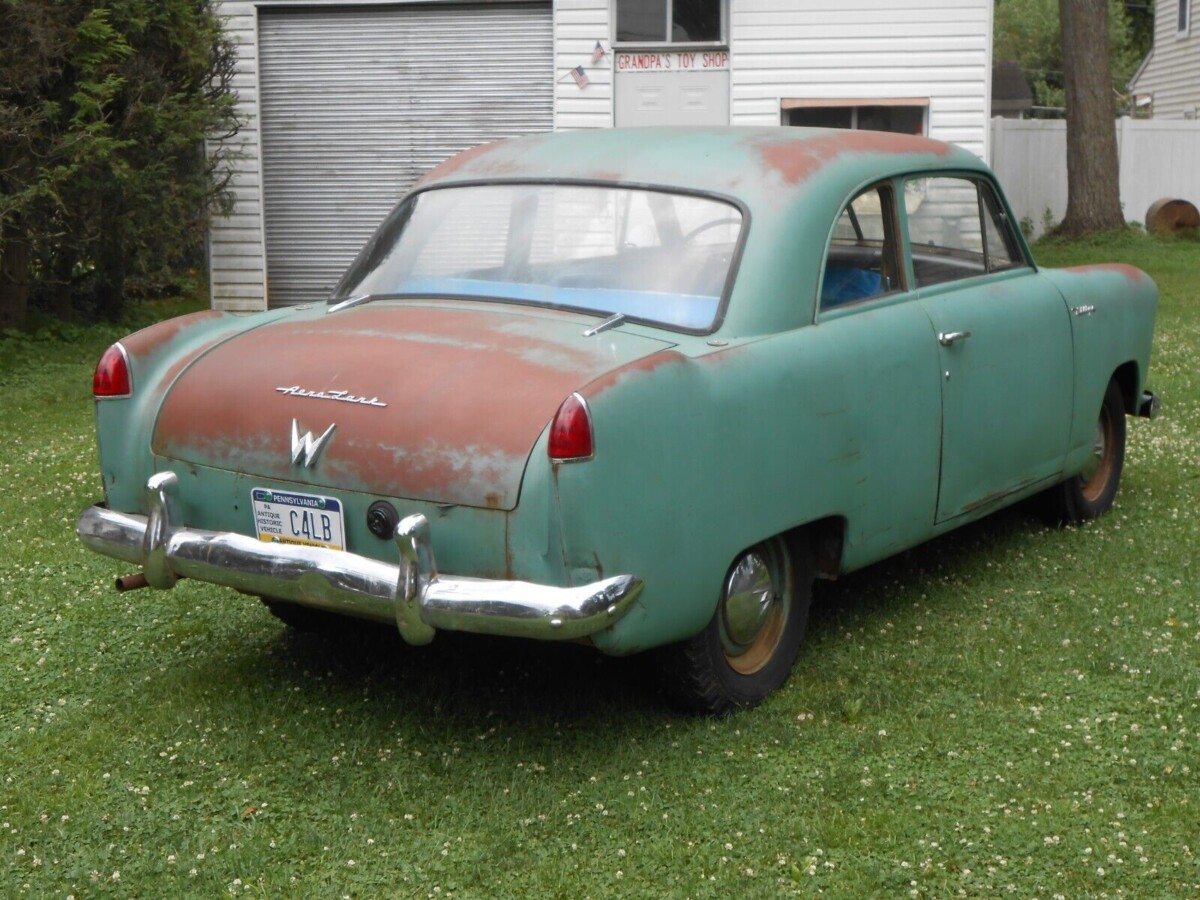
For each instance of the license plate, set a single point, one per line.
(285, 517)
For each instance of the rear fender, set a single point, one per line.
(1112, 327)
(157, 356)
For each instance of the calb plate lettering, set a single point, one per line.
(285, 517)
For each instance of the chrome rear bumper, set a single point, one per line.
(412, 593)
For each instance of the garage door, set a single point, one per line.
(358, 103)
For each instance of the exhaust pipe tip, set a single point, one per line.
(131, 582)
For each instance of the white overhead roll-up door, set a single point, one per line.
(357, 103)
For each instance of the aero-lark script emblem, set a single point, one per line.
(305, 447)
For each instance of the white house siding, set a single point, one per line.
(578, 24)
(859, 49)
(236, 255)
(484, 71)
(855, 50)
(359, 102)
(1171, 74)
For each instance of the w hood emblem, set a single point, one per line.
(305, 448)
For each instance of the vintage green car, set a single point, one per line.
(629, 388)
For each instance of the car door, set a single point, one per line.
(879, 426)
(1005, 350)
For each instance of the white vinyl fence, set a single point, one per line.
(1159, 158)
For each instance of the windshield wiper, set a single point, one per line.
(611, 322)
(352, 301)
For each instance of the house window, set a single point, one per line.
(669, 21)
(904, 116)
(1183, 19)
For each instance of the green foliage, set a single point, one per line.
(1027, 32)
(1006, 711)
(104, 109)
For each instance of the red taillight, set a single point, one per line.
(571, 431)
(112, 374)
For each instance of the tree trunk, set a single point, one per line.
(56, 287)
(1093, 186)
(14, 274)
(111, 267)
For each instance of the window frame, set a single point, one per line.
(985, 189)
(1183, 18)
(668, 45)
(399, 214)
(893, 231)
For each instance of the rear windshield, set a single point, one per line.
(655, 256)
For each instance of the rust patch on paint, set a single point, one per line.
(726, 355)
(993, 496)
(797, 160)
(1131, 274)
(181, 364)
(605, 175)
(146, 341)
(642, 366)
(475, 159)
(467, 393)
(456, 162)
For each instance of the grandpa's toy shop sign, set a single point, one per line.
(675, 61)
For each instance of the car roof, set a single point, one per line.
(791, 181)
(753, 165)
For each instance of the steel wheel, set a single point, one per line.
(748, 648)
(754, 607)
(1091, 492)
(1098, 471)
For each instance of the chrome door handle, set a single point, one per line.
(946, 338)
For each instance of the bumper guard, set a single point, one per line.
(1149, 405)
(412, 593)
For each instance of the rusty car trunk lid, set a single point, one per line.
(436, 401)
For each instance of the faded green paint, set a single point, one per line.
(1015, 369)
(791, 180)
(706, 445)
(1119, 331)
(158, 355)
(430, 373)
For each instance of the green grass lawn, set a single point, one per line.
(1008, 709)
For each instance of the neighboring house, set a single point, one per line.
(347, 104)
(1167, 84)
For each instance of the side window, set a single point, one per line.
(863, 260)
(957, 229)
(1003, 251)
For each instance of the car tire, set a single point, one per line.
(747, 650)
(1091, 493)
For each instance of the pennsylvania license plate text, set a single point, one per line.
(285, 517)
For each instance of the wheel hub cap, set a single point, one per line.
(749, 596)
(1099, 449)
